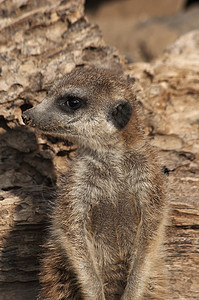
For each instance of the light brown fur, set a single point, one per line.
(107, 225)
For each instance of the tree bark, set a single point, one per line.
(40, 42)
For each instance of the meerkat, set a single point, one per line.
(107, 225)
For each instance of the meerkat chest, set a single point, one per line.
(110, 209)
(113, 225)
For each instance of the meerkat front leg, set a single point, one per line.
(74, 242)
(147, 251)
(57, 277)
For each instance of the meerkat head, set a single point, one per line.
(89, 107)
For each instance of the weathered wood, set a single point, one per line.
(169, 95)
(41, 41)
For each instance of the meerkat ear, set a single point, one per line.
(121, 114)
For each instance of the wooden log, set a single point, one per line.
(40, 41)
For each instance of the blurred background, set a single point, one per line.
(142, 29)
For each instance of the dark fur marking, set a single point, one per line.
(121, 114)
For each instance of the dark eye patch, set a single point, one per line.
(71, 103)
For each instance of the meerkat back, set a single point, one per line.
(107, 226)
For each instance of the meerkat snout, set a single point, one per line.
(27, 119)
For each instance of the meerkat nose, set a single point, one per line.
(26, 118)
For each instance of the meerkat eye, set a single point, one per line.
(71, 103)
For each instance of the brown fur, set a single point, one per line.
(107, 226)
